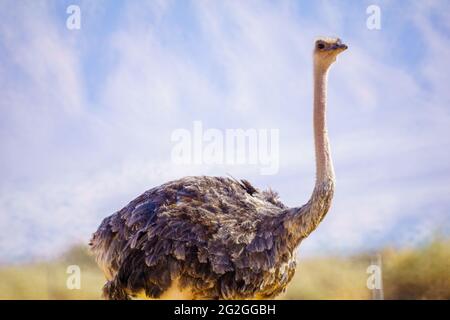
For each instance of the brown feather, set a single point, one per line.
(220, 237)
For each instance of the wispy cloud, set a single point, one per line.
(87, 116)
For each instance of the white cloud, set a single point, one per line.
(70, 159)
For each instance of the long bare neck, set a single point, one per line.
(301, 221)
(324, 164)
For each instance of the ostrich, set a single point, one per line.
(214, 237)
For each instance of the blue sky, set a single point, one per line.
(87, 115)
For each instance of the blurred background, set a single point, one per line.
(87, 116)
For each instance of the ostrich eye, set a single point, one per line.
(320, 46)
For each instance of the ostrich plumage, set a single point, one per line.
(218, 238)
(221, 238)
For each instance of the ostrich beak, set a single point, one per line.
(340, 47)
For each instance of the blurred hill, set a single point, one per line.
(419, 273)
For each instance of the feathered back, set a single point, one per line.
(219, 237)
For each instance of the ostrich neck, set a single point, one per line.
(324, 164)
(299, 222)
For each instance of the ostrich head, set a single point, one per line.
(326, 50)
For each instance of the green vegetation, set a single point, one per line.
(419, 273)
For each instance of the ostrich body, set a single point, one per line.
(213, 237)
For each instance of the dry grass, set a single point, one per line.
(329, 278)
(420, 273)
(48, 280)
